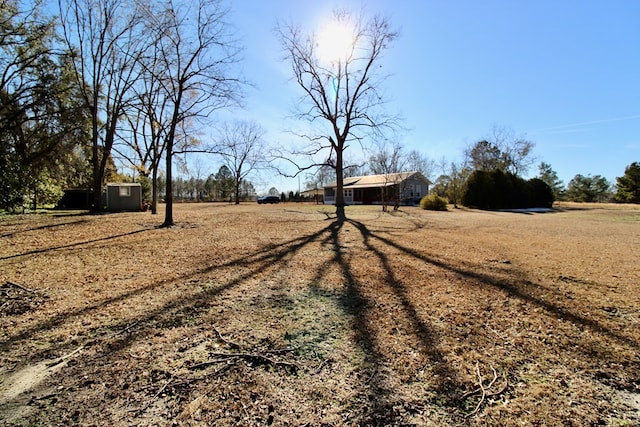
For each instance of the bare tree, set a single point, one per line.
(145, 140)
(450, 183)
(320, 177)
(388, 160)
(418, 162)
(516, 149)
(502, 150)
(242, 148)
(104, 38)
(485, 156)
(195, 54)
(341, 89)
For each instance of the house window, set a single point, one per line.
(348, 193)
(124, 191)
(418, 190)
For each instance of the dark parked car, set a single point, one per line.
(268, 199)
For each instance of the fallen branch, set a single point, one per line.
(258, 358)
(63, 358)
(19, 286)
(502, 390)
(282, 350)
(196, 403)
(208, 363)
(480, 388)
(139, 411)
(224, 340)
(484, 390)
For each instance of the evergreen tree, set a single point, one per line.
(628, 185)
(588, 189)
(550, 177)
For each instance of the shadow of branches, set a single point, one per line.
(406, 360)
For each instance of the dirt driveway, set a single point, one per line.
(280, 315)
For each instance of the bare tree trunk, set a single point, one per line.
(154, 190)
(340, 204)
(168, 211)
(95, 166)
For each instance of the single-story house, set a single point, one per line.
(402, 187)
(124, 197)
(314, 194)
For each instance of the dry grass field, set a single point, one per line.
(280, 315)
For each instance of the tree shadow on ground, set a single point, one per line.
(72, 245)
(263, 259)
(43, 227)
(384, 409)
(355, 299)
(516, 287)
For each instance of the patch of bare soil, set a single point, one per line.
(281, 315)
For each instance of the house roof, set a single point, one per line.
(312, 192)
(377, 181)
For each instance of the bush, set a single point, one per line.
(504, 190)
(433, 202)
(541, 194)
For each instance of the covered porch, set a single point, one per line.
(362, 195)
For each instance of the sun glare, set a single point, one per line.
(334, 42)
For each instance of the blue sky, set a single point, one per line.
(563, 73)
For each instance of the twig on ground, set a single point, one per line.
(281, 350)
(162, 389)
(484, 390)
(63, 358)
(224, 340)
(195, 404)
(125, 329)
(370, 378)
(153, 399)
(324, 362)
(259, 358)
(19, 286)
(475, 411)
(503, 389)
(481, 388)
(44, 397)
(208, 363)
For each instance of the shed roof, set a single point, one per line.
(124, 184)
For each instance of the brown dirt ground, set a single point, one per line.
(280, 315)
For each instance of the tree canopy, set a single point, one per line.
(40, 117)
(588, 189)
(503, 150)
(628, 185)
(550, 177)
